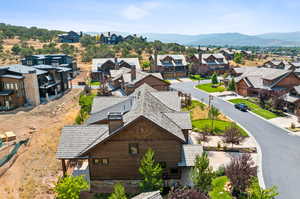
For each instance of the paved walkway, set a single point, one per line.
(280, 150)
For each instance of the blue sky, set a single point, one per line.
(162, 16)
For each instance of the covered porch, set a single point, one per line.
(6, 103)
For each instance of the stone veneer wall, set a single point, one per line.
(32, 88)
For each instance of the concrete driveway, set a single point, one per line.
(280, 150)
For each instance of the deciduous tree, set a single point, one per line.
(240, 171)
(70, 187)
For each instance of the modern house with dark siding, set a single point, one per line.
(56, 60)
(32, 85)
(70, 37)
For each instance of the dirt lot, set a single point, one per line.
(36, 170)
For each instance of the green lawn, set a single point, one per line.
(255, 108)
(219, 126)
(95, 83)
(168, 81)
(208, 88)
(198, 77)
(194, 104)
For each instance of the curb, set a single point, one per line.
(259, 152)
(288, 131)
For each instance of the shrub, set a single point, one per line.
(240, 171)
(232, 134)
(219, 188)
(186, 193)
(256, 192)
(119, 192)
(293, 126)
(70, 187)
(214, 79)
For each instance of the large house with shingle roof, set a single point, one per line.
(170, 66)
(125, 74)
(255, 81)
(208, 63)
(121, 129)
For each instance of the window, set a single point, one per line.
(163, 165)
(174, 171)
(29, 62)
(133, 149)
(101, 161)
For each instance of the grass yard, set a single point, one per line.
(198, 77)
(219, 126)
(195, 103)
(255, 108)
(210, 89)
(168, 81)
(95, 83)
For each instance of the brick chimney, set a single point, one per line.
(117, 66)
(115, 121)
(154, 67)
(133, 72)
(200, 54)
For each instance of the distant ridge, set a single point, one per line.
(223, 39)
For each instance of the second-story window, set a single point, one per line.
(101, 161)
(133, 148)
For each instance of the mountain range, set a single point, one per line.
(230, 39)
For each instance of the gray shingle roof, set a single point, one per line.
(103, 105)
(74, 139)
(169, 98)
(172, 64)
(21, 69)
(255, 75)
(149, 195)
(100, 61)
(182, 119)
(215, 55)
(189, 154)
(144, 104)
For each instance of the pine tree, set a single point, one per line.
(119, 192)
(151, 172)
(202, 173)
(214, 79)
(231, 85)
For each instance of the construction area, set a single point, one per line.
(34, 170)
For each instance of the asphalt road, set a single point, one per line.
(280, 150)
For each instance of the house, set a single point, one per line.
(245, 53)
(108, 38)
(31, 85)
(121, 129)
(57, 60)
(170, 66)
(279, 64)
(228, 54)
(125, 74)
(12, 90)
(101, 67)
(208, 64)
(255, 81)
(70, 37)
(291, 101)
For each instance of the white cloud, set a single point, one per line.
(136, 12)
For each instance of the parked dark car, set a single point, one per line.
(241, 107)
